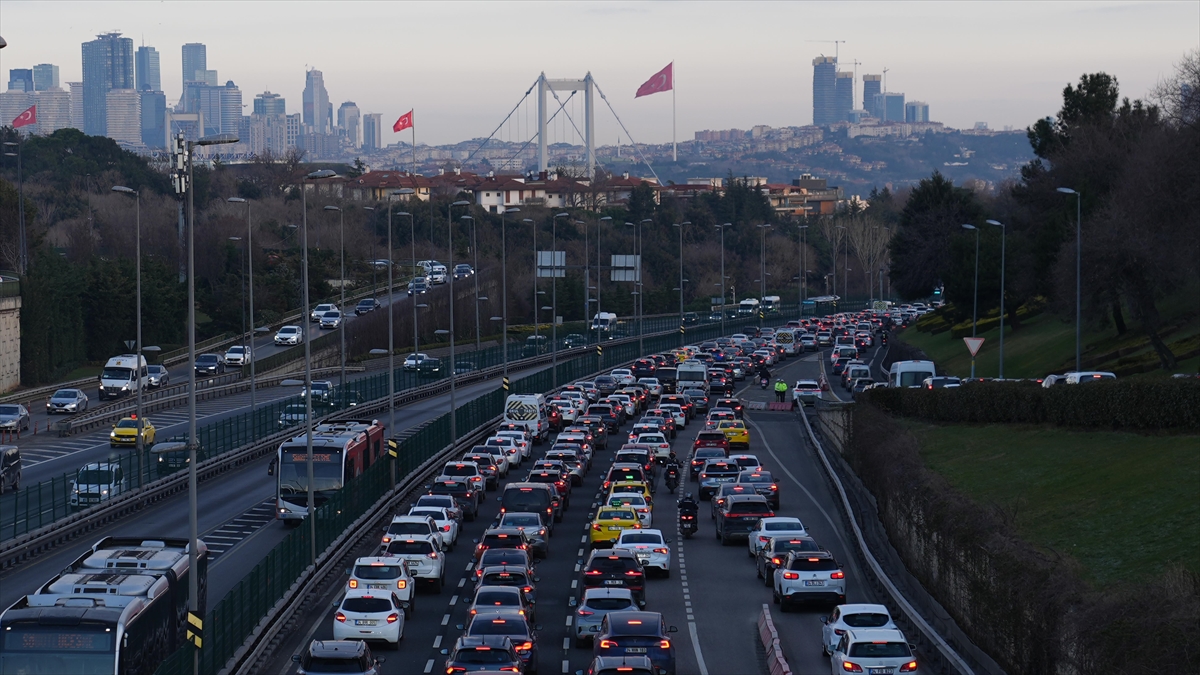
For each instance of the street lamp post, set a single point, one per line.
(554, 296)
(1003, 245)
(837, 248)
(721, 228)
(762, 270)
(536, 272)
(599, 278)
(250, 267)
(22, 245)
(475, 273)
(504, 289)
(450, 266)
(975, 308)
(140, 441)
(803, 241)
(1078, 273)
(680, 226)
(342, 289)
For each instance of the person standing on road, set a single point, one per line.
(780, 389)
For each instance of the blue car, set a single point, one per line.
(629, 633)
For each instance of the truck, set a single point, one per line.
(529, 411)
(786, 338)
(747, 307)
(605, 323)
(123, 375)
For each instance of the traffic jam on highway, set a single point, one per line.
(560, 539)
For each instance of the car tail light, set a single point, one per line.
(909, 667)
(664, 644)
(524, 646)
(596, 527)
(775, 561)
(387, 540)
(661, 550)
(851, 667)
(445, 528)
(402, 584)
(838, 575)
(393, 618)
(433, 555)
(593, 573)
(790, 575)
(633, 573)
(763, 539)
(341, 618)
(839, 631)
(583, 612)
(608, 644)
(354, 583)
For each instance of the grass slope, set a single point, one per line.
(1123, 505)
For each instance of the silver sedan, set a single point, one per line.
(14, 417)
(67, 401)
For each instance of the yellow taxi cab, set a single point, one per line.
(125, 432)
(635, 487)
(635, 501)
(735, 432)
(610, 522)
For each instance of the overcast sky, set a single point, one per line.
(464, 65)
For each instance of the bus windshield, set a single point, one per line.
(327, 470)
(74, 649)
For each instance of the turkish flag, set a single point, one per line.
(26, 118)
(405, 122)
(663, 80)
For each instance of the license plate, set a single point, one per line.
(615, 528)
(879, 671)
(377, 585)
(365, 622)
(613, 582)
(635, 650)
(814, 582)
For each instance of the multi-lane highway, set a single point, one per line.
(713, 595)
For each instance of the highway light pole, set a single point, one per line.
(680, 226)
(139, 440)
(342, 291)
(504, 289)
(22, 247)
(975, 308)
(803, 240)
(184, 151)
(450, 267)
(721, 228)
(1003, 245)
(554, 296)
(599, 277)
(762, 270)
(536, 272)
(475, 273)
(1078, 274)
(250, 266)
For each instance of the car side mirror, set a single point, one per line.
(271, 468)
(444, 652)
(499, 498)
(380, 660)
(475, 541)
(460, 626)
(114, 426)
(537, 627)
(536, 578)
(594, 629)
(579, 672)
(296, 658)
(672, 629)
(825, 620)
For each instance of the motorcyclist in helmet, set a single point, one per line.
(688, 504)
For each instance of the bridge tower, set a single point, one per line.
(588, 87)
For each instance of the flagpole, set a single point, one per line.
(413, 169)
(674, 147)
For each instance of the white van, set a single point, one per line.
(1089, 376)
(529, 411)
(97, 482)
(691, 373)
(910, 373)
(786, 338)
(605, 322)
(123, 375)
(437, 273)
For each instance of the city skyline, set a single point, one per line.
(462, 87)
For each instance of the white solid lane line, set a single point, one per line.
(696, 647)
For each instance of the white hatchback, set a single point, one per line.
(873, 650)
(852, 617)
(649, 547)
(369, 615)
(443, 519)
(653, 386)
(623, 376)
(778, 526)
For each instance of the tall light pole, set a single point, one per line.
(1078, 274)
(975, 309)
(721, 228)
(587, 272)
(802, 239)
(680, 226)
(140, 441)
(342, 289)
(837, 248)
(22, 245)
(184, 151)
(554, 296)
(392, 319)
(1003, 245)
(250, 267)
(762, 270)
(641, 288)
(599, 278)
(450, 266)
(504, 289)
(475, 273)
(536, 273)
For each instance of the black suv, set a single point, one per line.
(337, 656)
(738, 516)
(482, 652)
(366, 305)
(210, 364)
(466, 496)
(615, 567)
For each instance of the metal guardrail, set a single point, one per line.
(38, 393)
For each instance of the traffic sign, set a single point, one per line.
(973, 344)
(195, 629)
(393, 448)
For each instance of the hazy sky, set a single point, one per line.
(464, 65)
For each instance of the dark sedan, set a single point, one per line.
(629, 633)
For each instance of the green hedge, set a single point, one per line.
(962, 330)
(1122, 404)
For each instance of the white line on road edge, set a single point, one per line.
(696, 647)
(454, 600)
(429, 666)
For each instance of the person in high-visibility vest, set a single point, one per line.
(780, 390)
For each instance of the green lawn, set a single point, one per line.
(1123, 505)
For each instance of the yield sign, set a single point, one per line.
(973, 344)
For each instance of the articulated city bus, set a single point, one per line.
(342, 451)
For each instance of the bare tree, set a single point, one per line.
(870, 237)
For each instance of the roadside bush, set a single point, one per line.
(1122, 404)
(962, 330)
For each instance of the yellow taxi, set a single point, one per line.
(610, 522)
(735, 432)
(636, 487)
(635, 501)
(125, 432)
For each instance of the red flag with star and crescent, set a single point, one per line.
(26, 118)
(405, 121)
(663, 80)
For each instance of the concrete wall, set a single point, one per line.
(10, 343)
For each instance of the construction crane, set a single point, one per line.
(835, 45)
(857, 63)
(885, 89)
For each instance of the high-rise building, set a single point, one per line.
(317, 110)
(349, 121)
(107, 64)
(870, 88)
(267, 103)
(916, 111)
(45, 77)
(208, 77)
(146, 71)
(824, 94)
(199, 97)
(843, 94)
(53, 110)
(20, 79)
(889, 106)
(294, 123)
(231, 108)
(76, 89)
(124, 116)
(12, 103)
(195, 59)
(372, 128)
(154, 118)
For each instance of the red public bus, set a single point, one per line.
(342, 450)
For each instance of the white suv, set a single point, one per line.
(649, 547)
(384, 574)
(445, 521)
(468, 471)
(369, 615)
(808, 576)
(424, 559)
(320, 311)
(777, 526)
(873, 650)
(405, 527)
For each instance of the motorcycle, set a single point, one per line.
(672, 479)
(763, 382)
(687, 524)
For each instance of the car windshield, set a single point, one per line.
(879, 649)
(754, 477)
(367, 605)
(288, 330)
(866, 620)
(521, 520)
(331, 315)
(94, 477)
(460, 470)
(913, 378)
(482, 655)
(410, 547)
(609, 604)
(796, 545)
(641, 538)
(61, 393)
(783, 526)
(747, 507)
(206, 358)
(615, 515)
(411, 527)
(377, 571)
(333, 665)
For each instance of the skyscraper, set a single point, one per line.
(890, 106)
(45, 77)
(231, 108)
(154, 118)
(349, 121)
(824, 91)
(372, 131)
(123, 117)
(267, 103)
(53, 110)
(76, 89)
(317, 109)
(148, 76)
(843, 93)
(195, 59)
(916, 111)
(292, 129)
(107, 64)
(870, 88)
(20, 79)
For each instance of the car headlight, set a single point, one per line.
(101, 386)
(124, 387)
(112, 434)
(103, 492)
